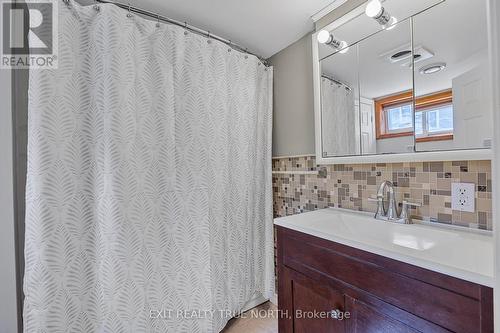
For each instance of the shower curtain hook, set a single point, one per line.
(96, 6)
(186, 28)
(158, 21)
(230, 48)
(129, 14)
(246, 53)
(208, 35)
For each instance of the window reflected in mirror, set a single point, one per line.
(433, 117)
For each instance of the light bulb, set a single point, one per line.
(343, 47)
(392, 23)
(373, 8)
(323, 36)
(433, 68)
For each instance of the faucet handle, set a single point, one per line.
(411, 204)
(405, 216)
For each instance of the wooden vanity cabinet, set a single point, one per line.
(329, 287)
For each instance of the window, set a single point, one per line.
(436, 120)
(433, 119)
(399, 118)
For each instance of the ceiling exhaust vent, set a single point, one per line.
(402, 55)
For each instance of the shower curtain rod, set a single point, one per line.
(184, 25)
(340, 83)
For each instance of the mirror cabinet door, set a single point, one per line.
(386, 99)
(422, 84)
(452, 83)
(340, 132)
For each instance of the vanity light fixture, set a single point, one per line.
(375, 10)
(433, 68)
(325, 37)
(392, 23)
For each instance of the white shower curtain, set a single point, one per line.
(149, 195)
(338, 112)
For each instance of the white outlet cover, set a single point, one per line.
(463, 197)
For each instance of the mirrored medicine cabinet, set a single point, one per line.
(410, 85)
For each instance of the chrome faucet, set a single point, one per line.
(391, 214)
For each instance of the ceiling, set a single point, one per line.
(263, 26)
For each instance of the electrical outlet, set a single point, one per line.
(463, 197)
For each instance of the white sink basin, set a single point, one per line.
(463, 254)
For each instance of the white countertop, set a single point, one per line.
(463, 254)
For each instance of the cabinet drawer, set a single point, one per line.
(448, 309)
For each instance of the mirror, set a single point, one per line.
(417, 83)
(386, 80)
(452, 88)
(339, 104)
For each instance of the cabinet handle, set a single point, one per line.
(336, 314)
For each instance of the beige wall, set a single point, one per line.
(293, 111)
(293, 123)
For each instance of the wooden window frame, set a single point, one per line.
(440, 98)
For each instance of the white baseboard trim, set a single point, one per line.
(292, 156)
(296, 172)
(274, 299)
(256, 301)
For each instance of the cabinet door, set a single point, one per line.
(316, 307)
(365, 318)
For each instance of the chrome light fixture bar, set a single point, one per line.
(325, 37)
(375, 10)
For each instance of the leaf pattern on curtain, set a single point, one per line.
(149, 179)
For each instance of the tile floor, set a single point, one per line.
(261, 319)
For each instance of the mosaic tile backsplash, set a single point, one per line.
(299, 185)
